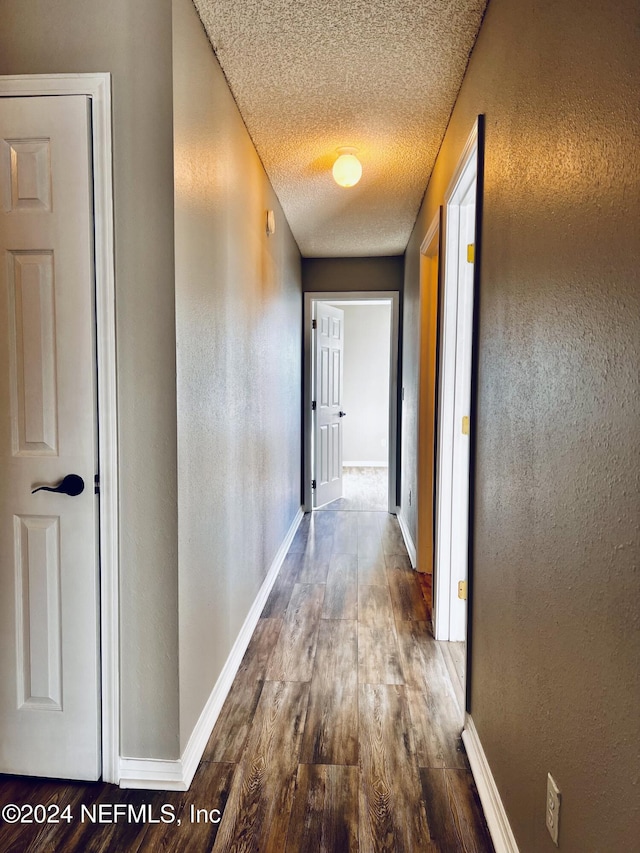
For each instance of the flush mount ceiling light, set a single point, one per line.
(347, 170)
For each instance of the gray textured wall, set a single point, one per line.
(367, 330)
(239, 315)
(133, 42)
(345, 274)
(556, 622)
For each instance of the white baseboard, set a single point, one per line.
(495, 815)
(384, 464)
(152, 774)
(408, 540)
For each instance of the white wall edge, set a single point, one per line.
(384, 464)
(408, 540)
(494, 811)
(152, 774)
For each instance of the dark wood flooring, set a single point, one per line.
(341, 732)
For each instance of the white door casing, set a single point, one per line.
(328, 414)
(461, 415)
(452, 503)
(49, 625)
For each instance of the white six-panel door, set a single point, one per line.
(49, 628)
(328, 370)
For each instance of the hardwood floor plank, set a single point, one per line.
(314, 563)
(293, 655)
(378, 656)
(199, 810)
(103, 831)
(323, 522)
(331, 727)
(374, 605)
(455, 818)
(256, 817)
(467, 813)
(278, 599)
(421, 659)
(325, 810)
(455, 668)
(256, 658)
(232, 727)
(426, 584)
(392, 815)
(301, 535)
(370, 523)
(32, 838)
(406, 594)
(345, 537)
(369, 534)
(437, 729)
(392, 541)
(341, 594)
(372, 568)
(435, 713)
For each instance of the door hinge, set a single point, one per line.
(462, 590)
(471, 253)
(96, 484)
(314, 324)
(313, 484)
(465, 425)
(313, 405)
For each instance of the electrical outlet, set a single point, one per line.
(553, 808)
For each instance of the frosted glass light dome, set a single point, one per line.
(347, 170)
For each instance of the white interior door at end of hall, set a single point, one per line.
(49, 672)
(328, 367)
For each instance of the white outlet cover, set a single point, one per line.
(553, 808)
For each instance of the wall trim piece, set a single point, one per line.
(408, 541)
(450, 614)
(152, 774)
(494, 811)
(97, 87)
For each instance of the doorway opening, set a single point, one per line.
(454, 420)
(350, 401)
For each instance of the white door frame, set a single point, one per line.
(97, 87)
(449, 612)
(307, 420)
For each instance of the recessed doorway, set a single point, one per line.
(350, 399)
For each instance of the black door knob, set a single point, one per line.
(342, 414)
(71, 485)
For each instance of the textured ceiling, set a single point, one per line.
(310, 76)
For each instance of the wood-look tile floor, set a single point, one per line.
(341, 732)
(363, 488)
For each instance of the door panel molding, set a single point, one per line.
(97, 87)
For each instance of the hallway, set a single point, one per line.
(340, 733)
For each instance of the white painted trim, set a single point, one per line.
(98, 88)
(360, 297)
(384, 464)
(151, 774)
(408, 540)
(431, 233)
(499, 827)
(449, 617)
